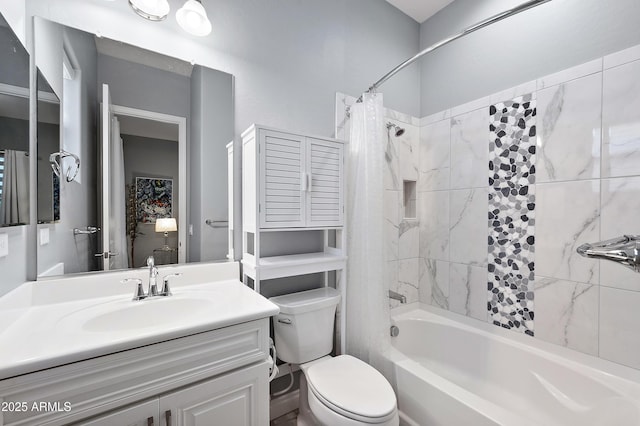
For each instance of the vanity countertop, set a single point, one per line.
(39, 331)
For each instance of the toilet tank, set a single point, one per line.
(304, 327)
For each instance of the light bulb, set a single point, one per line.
(192, 17)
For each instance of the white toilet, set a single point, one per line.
(333, 391)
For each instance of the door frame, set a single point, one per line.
(182, 164)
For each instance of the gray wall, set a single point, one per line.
(540, 41)
(14, 134)
(48, 143)
(211, 130)
(147, 157)
(139, 86)
(14, 66)
(196, 127)
(288, 58)
(13, 268)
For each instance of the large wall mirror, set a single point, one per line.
(14, 129)
(140, 168)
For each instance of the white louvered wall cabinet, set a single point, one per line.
(300, 180)
(292, 182)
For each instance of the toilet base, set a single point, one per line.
(305, 416)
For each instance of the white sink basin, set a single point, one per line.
(146, 313)
(135, 315)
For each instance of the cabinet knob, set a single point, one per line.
(150, 421)
(167, 416)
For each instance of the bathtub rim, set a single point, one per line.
(600, 369)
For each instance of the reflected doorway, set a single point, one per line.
(146, 181)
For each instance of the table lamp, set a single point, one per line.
(166, 225)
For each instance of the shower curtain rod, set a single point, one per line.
(475, 27)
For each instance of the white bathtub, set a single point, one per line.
(449, 370)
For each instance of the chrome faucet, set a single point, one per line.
(397, 296)
(139, 293)
(153, 276)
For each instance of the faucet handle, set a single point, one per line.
(138, 293)
(151, 261)
(166, 291)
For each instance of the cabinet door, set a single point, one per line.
(325, 166)
(236, 399)
(143, 414)
(282, 180)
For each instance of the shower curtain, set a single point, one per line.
(367, 310)
(15, 188)
(117, 205)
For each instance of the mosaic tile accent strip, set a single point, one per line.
(512, 152)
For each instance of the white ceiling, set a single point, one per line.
(420, 10)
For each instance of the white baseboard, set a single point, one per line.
(283, 404)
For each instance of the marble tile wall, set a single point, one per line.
(587, 189)
(452, 210)
(404, 268)
(403, 232)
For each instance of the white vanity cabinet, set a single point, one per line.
(143, 414)
(232, 399)
(214, 377)
(295, 180)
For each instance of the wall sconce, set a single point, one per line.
(153, 10)
(192, 16)
(166, 225)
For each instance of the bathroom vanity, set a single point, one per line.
(72, 354)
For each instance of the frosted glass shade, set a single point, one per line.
(153, 10)
(166, 225)
(193, 18)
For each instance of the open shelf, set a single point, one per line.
(294, 264)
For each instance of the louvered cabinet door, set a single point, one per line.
(282, 180)
(325, 169)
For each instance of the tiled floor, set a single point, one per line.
(289, 419)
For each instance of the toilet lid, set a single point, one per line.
(352, 388)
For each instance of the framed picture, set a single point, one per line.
(154, 198)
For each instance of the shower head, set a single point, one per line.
(399, 131)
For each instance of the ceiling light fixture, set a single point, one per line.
(192, 17)
(153, 10)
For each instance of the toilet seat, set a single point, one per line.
(351, 388)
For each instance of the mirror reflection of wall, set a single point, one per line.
(48, 112)
(14, 129)
(157, 110)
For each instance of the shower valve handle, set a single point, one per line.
(624, 250)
